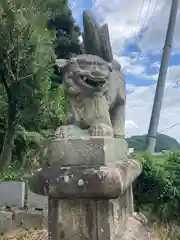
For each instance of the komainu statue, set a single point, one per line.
(88, 177)
(94, 87)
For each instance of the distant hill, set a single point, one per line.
(164, 142)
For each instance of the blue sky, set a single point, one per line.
(137, 35)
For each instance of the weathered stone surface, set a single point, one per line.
(106, 50)
(104, 182)
(91, 34)
(87, 151)
(93, 106)
(85, 167)
(36, 201)
(112, 216)
(77, 219)
(92, 219)
(12, 194)
(27, 220)
(136, 228)
(5, 221)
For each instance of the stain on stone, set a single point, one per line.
(90, 213)
(62, 234)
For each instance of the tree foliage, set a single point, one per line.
(67, 34)
(27, 56)
(67, 38)
(164, 142)
(157, 190)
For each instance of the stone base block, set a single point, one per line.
(87, 150)
(91, 219)
(35, 201)
(27, 220)
(6, 221)
(12, 194)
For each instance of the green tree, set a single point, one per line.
(26, 62)
(67, 34)
(67, 38)
(164, 142)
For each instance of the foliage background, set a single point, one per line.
(157, 190)
(164, 142)
(32, 101)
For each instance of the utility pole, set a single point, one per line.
(155, 115)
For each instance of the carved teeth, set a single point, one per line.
(94, 83)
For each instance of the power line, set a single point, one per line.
(174, 125)
(154, 9)
(147, 14)
(155, 6)
(146, 17)
(138, 18)
(175, 81)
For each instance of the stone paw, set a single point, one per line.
(118, 133)
(62, 133)
(101, 130)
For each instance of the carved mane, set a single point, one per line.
(96, 39)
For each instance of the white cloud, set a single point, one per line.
(129, 124)
(139, 106)
(153, 39)
(122, 17)
(173, 74)
(130, 66)
(130, 88)
(150, 77)
(77, 7)
(156, 65)
(135, 66)
(72, 4)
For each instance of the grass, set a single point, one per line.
(165, 231)
(160, 231)
(22, 234)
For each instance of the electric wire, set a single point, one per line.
(146, 17)
(171, 126)
(151, 19)
(139, 16)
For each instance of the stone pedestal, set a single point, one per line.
(87, 151)
(90, 192)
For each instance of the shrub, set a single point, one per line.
(12, 173)
(157, 190)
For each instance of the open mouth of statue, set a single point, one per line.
(93, 82)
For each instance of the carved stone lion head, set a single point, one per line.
(88, 72)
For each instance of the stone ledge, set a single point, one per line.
(86, 151)
(85, 182)
(17, 218)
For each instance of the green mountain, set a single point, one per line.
(164, 142)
